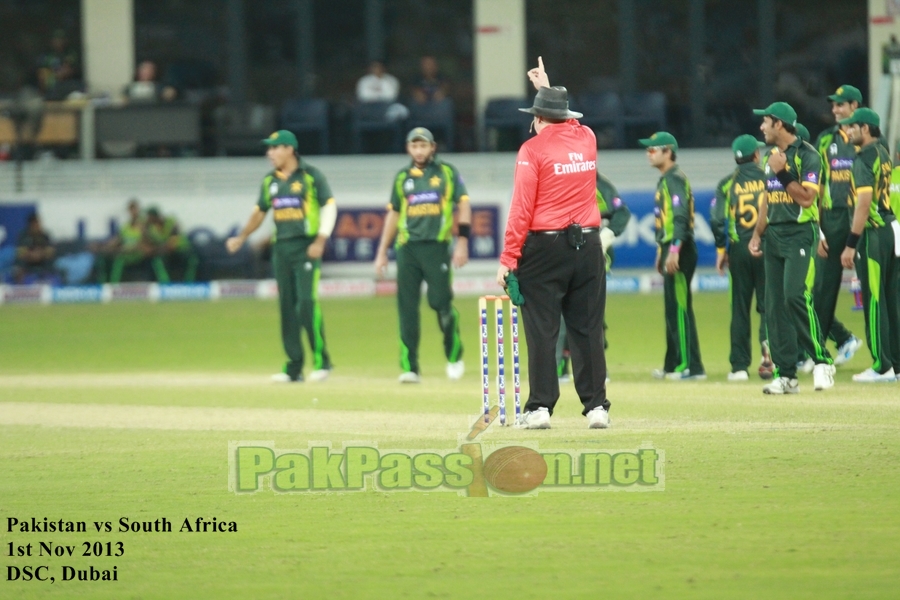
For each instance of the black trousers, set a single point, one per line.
(559, 280)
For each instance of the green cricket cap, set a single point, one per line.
(745, 145)
(282, 137)
(802, 131)
(660, 138)
(419, 133)
(863, 116)
(846, 93)
(781, 111)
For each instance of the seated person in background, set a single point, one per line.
(129, 248)
(431, 86)
(57, 67)
(172, 246)
(146, 88)
(378, 85)
(34, 255)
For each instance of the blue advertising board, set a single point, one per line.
(13, 221)
(636, 247)
(357, 231)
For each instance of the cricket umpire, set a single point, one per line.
(552, 248)
(305, 214)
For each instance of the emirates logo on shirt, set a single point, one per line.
(576, 164)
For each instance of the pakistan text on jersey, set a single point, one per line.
(574, 167)
(423, 210)
(288, 214)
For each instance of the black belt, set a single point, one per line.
(562, 231)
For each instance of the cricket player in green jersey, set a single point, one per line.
(676, 259)
(734, 213)
(788, 218)
(420, 216)
(895, 183)
(305, 214)
(871, 244)
(836, 152)
(615, 216)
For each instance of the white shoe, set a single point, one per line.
(659, 374)
(285, 378)
(782, 385)
(847, 350)
(409, 377)
(806, 366)
(738, 376)
(823, 377)
(598, 418)
(565, 380)
(535, 419)
(319, 375)
(455, 370)
(872, 376)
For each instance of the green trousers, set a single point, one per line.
(298, 300)
(747, 277)
(682, 343)
(877, 269)
(790, 314)
(428, 262)
(124, 260)
(829, 272)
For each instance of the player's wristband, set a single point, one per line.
(821, 234)
(465, 230)
(852, 240)
(785, 178)
(675, 248)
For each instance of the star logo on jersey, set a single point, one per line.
(296, 187)
(434, 181)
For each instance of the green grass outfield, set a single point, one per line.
(126, 410)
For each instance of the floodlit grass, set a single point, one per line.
(791, 497)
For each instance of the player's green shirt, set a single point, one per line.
(872, 172)
(674, 208)
(735, 207)
(895, 191)
(836, 152)
(160, 234)
(295, 200)
(425, 199)
(131, 235)
(612, 210)
(804, 163)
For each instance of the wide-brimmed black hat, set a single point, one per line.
(553, 103)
